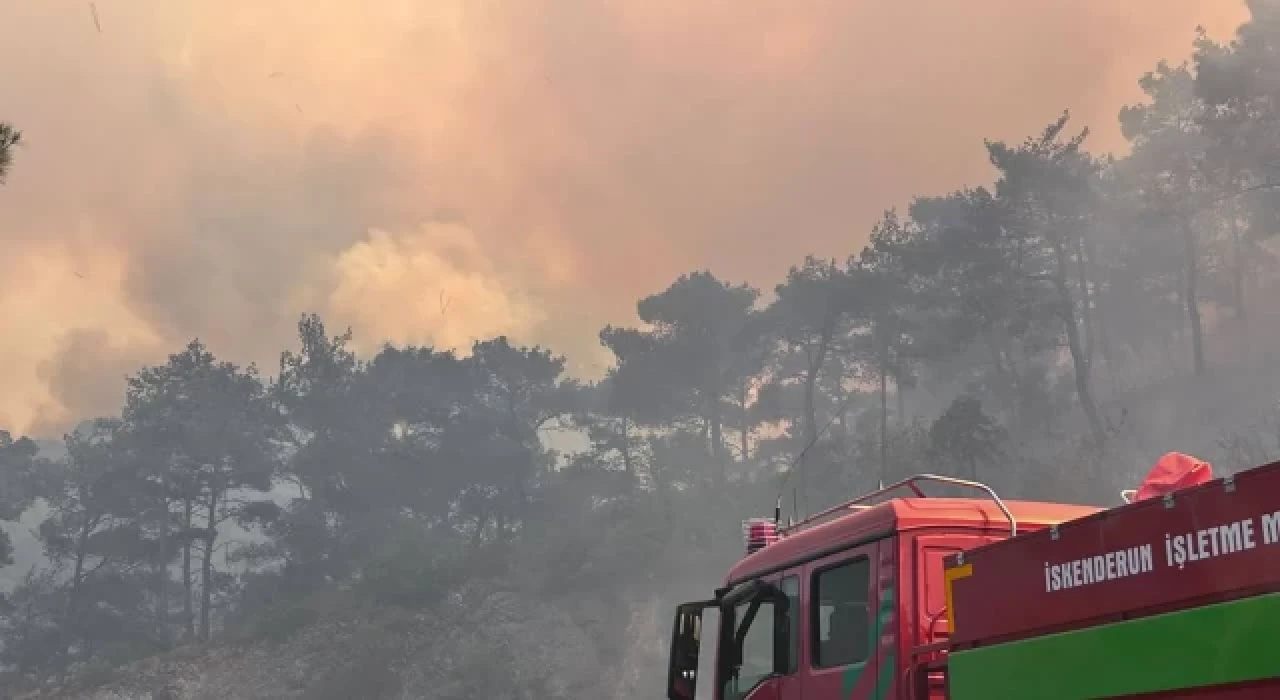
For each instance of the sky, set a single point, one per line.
(439, 171)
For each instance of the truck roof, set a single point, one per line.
(865, 523)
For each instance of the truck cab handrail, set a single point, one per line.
(912, 483)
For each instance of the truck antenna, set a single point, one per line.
(798, 462)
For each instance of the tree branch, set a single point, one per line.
(1270, 185)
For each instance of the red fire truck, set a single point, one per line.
(1175, 595)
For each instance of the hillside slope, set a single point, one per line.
(484, 642)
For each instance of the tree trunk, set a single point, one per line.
(1086, 301)
(1006, 386)
(1192, 298)
(28, 623)
(1238, 269)
(206, 566)
(500, 526)
(1099, 315)
(162, 570)
(717, 434)
(482, 522)
(884, 409)
(901, 395)
(817, 358)
(1079, 362)
(77, 582)
(1104, 342)
(628, 462)
(188, 613)
(810, 409)
(1009, 350)
(77, 576)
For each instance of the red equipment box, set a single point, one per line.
(1213, 542)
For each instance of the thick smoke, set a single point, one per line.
(439, 171)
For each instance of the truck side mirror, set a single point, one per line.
(686, 644)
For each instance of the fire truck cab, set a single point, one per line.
(849, 603)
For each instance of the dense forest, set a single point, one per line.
(1019, 332)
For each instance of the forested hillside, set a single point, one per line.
(422, 522)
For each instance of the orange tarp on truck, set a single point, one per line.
(1174, 472)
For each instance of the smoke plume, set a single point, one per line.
(433, 172)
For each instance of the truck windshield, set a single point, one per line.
(753, 634)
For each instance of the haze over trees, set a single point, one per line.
(9, 139)
(1011, 332)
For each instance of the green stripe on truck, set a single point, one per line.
(1210, 645)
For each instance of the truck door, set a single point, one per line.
(842, 639)
(758, 642)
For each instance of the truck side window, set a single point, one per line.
(753, 631)
(841, 620)
(791, 588)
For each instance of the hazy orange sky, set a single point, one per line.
(441, 170)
